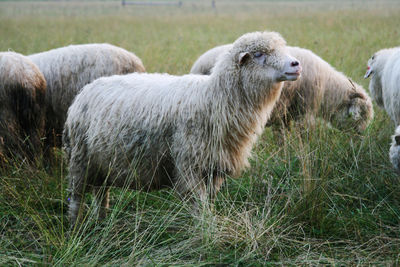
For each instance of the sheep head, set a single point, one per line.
(375, 68)
(262, 56)
(377, 62)
(370, 66)
(355, 112)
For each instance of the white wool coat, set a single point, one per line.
(188, 132)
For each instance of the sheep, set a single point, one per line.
(22, 92)
(68, 69)
(384, 66)
(320, 91)
(187, 132)
(384, 69)
(394, 152)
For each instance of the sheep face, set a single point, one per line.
(277, 63)
(370, 66)
(263, 55)
(375, 85)
(377, 62)
(394, 152)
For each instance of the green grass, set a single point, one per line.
(325, 197)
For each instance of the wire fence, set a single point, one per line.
(158, 3)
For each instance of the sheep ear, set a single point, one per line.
(243, 57)
(352, 84)
(397, 139)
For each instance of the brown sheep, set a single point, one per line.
(22, 92)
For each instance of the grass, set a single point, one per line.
(323, 198)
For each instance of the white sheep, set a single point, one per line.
(384, 67)
(68, 69)
(188, 132)
(320, 91)
(22, 91)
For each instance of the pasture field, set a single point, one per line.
(325, 197)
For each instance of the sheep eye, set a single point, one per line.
(373, 57)
(258, 54)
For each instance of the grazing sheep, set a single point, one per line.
(320, 91)
(187, 132)
(68, 69)
(384, 66)
(22, 90)
(394, 152)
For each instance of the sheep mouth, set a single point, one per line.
(368, 73)
(297, 73)
(293, 75)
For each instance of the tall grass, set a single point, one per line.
(324, 197)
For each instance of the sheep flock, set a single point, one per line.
(120, 126)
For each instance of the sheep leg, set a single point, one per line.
(206, 192)
(189, 189)
(75, 210)
(192, 189)
(214, 184)
(102, 200)
(217, 183)
(77, 188)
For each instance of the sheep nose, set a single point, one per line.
(294, 63)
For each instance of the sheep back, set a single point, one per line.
(68, 69)
(204, 64)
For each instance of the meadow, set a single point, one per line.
(325, 197)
